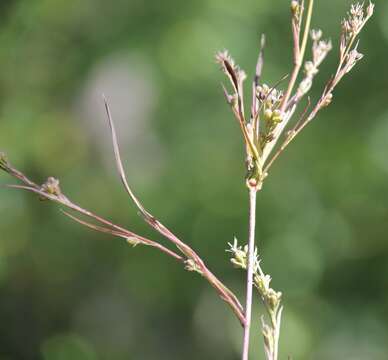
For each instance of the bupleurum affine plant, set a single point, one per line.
(267, 131)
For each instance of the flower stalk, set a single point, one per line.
(271, 112)
(250, 272)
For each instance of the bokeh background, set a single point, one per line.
(69, 293)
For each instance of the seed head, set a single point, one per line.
(190, 265)
(51, 187)
(327, 100)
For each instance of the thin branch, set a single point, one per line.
(255, 84)
(300, 125)
(128, 236)
(226, 294)
(119, 163)
(121, 232)
(260, 61)
(299, 52)
(277, 333)
(303, 116)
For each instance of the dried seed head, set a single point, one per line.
(327, 100)
(51, 187)
(352, 59)
(320, 48)
(356, 10)
(222, 57)
(228, 66)
(357, 18)
(320, 51)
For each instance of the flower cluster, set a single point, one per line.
(273, 109)
(269, 102)
(357, 18)
(262, 281)
(239, 258)
(271, 298)
(235, 74)
(320, 49)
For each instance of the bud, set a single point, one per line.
(277, 116)
(132, 241)
(273, 298)
(240, 258)
(268, 114)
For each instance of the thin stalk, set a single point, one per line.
(300, 51)
(250, 270)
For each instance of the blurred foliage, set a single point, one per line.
(68, 293)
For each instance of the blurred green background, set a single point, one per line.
(69, 293)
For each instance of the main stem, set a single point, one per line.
(251, 262)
